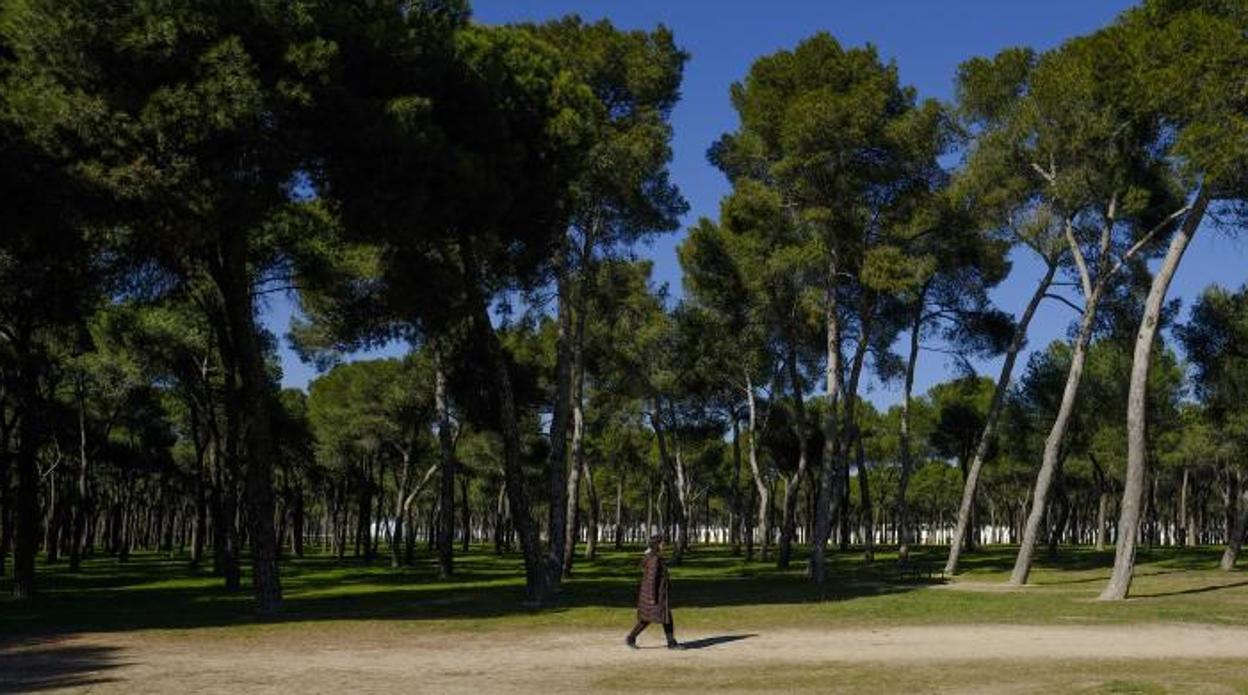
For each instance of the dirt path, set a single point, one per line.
(363, 659)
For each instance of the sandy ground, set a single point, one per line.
(316, 659)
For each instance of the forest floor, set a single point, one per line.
(151, 625)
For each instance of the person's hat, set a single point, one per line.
(656, 538)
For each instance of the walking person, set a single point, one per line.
(652, 596)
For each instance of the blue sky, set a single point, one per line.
(927, 39)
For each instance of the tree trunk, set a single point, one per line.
(673, 466)
(297, 522)
(864, 488)
(78, 531)
(1053, 443)
(734, 493)
(619, 512)
(398, 547)
(990, 424)
(792, 484)
(1184, 533)
(1235, 538)
(591, 529)
(465, 514)
(446, 477)
(1133, 490)
(557, 461)
(829, 501)
(907, 458)
(535, 568)
(254, 395)
(764, 493)
(577, 402)
(6, 495)
(27, 475)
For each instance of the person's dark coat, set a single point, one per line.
(652, 603)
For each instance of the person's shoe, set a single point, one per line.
(676, 645)
(632, 644)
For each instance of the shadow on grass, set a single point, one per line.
(155, 592)
(31, 665)
(1194, 590)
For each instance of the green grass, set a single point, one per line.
(713, 590)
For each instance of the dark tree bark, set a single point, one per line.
(231, 276)
(557, 462)
(591, 528)
(792, 484)
(446, 478)
(465, 514)
(829, 501)
(27, 511)
(535, 565)
(864, 488)
(904, 537)
(763, 492)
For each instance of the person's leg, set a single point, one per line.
(669, 629)
(631, 640)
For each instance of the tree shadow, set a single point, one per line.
(1194, 590)
(33, 664)
(706, 642)
(158, 593)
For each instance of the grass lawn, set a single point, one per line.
(712, 589)
(713, 593)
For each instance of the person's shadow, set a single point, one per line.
(714, 641)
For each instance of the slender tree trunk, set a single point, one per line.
(1053, 443)
(465, 514)
(1102, 504)
(990, 423)
(6, 495)
(27, 474)
(825, 508)
(1062, 515)
(764, 492)
(1184, 528)
(864, 488)
(684, 515)
(397, 545)
(52, 526)
(297, 522)
(904, 536)
(1129, 511)
(673, 467)
(793, 483)
(557, 461)
(446, 478)
(734, 494)
(591, 530)
(577, 402)
(78, 532)
(619, 512)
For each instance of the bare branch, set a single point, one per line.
(1065, 301)
(1148, 237)
(1048, 176)
(1084, 278)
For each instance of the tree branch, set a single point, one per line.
(1065, 301)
